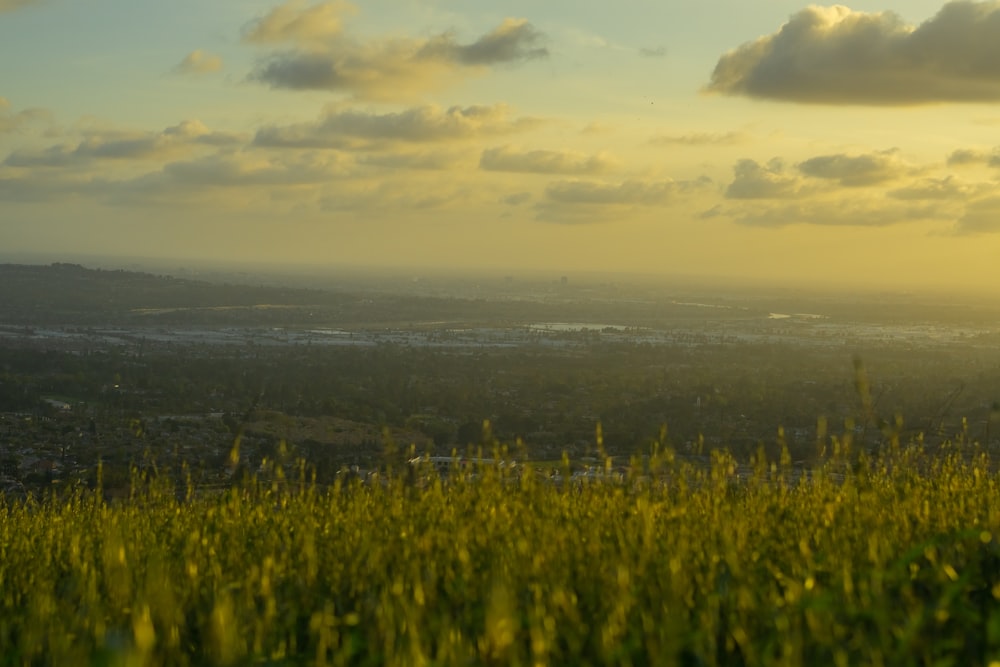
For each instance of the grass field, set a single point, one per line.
(895, 563)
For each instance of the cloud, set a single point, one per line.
(16, 122)
(390, 74)
(137, 147)
(199, 62)
(753, 180)
(630, 192)
(382, 195)
(506, 158)
(112, 145)
(516, 199)
(584, 202)
(514, 40)
(840, 213)
(29, 187)
(833, 55)
(297, 23)
(658, 52)
(592, 129)
(981, 217)
(964, 156)
(356, 129)
(224, 179)
(947, 188)
(11, 5)
(700, 139)
(969, 156)
(240, 180)
(196, 132)
(430, 160)
(855, 170)
(388, 69)
(243, 169)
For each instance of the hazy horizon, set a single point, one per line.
(777, 144)
(450, 282)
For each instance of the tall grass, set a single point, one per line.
(897, 562)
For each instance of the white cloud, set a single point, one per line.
(296, 22)
(199, 62)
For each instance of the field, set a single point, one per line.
(884, 560)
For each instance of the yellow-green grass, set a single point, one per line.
(895, 563)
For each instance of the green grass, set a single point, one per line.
(889, 566)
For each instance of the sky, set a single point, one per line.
(755, 141)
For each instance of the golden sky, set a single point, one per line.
(752, 140)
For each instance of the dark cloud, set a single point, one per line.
(30, 188)
(752, 180)
(110, 145)
(631, 192)
(863, 213)
(89, 150)
(226, 179)
(514, 40)
(433, 160)
(356, 129)
(516, 199)
(833, 55)
(241, 170)
(964, 156)
(968, 156)
(981, 217)
(303, 70)
(947, 188)
(398, 68)
(717, 211)
(585, 202)
(855, 170)
(505, 158)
